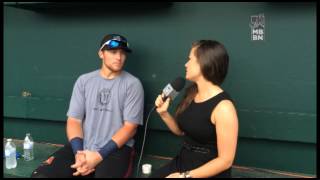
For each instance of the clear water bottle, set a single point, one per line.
(28, 148)
(10, 154)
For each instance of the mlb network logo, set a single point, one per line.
(257, 24)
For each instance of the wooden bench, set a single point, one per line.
(43, 150)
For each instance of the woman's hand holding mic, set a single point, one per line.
(162, 109)
(162, 106)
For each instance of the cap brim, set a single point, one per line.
(124, 48)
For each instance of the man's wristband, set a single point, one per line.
(76, 144)
(110, 147)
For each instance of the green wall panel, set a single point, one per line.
(274, 125)
(277, 155)
(14, 106)
(273, 82)
(41, 131)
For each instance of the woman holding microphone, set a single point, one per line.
(206, 117)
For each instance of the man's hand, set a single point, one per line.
(80, 159)
(93, 158)
(80, 165)
(86, 166)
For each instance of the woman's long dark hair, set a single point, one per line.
(214, 60)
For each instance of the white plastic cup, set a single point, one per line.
(146, 168)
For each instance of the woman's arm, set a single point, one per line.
(171, 123)
(162, 107)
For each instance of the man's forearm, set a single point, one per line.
(124, 134)
(74, 128)
(75, 135)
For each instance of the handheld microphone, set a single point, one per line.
(172, 89)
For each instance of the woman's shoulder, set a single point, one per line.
(224, 110)
(225, 103)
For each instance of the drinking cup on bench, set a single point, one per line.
(146, 168)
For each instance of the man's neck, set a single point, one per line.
(108, 73)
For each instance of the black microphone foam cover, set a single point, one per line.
(178, 84)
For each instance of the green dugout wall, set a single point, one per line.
(273, 82)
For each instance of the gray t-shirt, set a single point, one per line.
(103, 105)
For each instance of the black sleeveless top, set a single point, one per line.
(196, 123)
